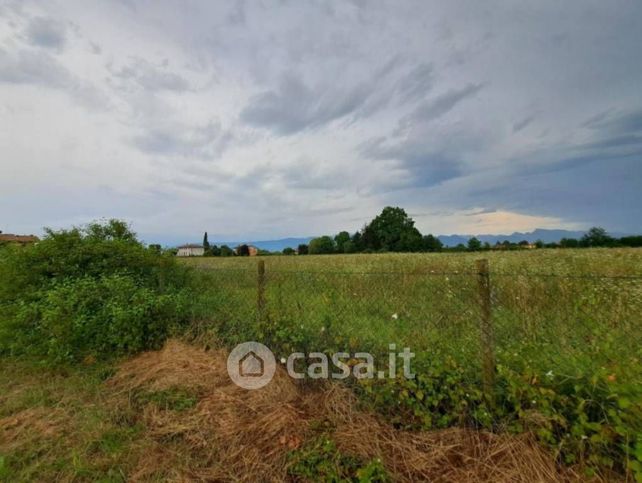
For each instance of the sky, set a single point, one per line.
(257, 120)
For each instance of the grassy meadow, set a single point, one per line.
(567, 335)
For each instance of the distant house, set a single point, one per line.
(190, 251)
(252, 251)
(22, 240)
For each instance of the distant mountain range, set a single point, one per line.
(547, 236)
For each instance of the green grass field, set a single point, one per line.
(567, 334)
(561, 304)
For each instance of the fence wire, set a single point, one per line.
(554, 324)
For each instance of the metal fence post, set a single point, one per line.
(260, 298)
(486, 330)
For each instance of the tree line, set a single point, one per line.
(394, 231)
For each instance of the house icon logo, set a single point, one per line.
(251, 365)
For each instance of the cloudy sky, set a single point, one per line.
(260, 119)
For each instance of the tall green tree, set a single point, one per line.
(341, 240)
(322, 245)
(392, 231)
(596, 237)
(357, 242)
(474, 245)
(206, 243)
(432, 244)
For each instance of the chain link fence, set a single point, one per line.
(555, 324)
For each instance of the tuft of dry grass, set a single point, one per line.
(241, 435)
(28, 426)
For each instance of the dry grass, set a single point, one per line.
(30, 425)
(240, 435)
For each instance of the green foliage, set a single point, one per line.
(432, 244)
(474, 245)
(596, 237)
(320, 460)
(303, 249)
(288, 251)
(226, 251)
(392, 231)
(569, 243)
(93, 291)
(630, 241)
(323, 245)
(342, 242)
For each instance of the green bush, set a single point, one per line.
(93, 291)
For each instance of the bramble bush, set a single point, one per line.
(594, 420)
(90, 291)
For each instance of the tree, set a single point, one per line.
(155, 247)
(288, 251)
(474, 245)
(349, 247)
(302, 249)
(341, 239)
(539, 244)
(631, 241)
(206, 243)
(596, 237)
(392, 230)
(226, 251)
(569, 243)
(214, 251)
(321, 246)
(432, 244)
(111, 230)
(357, 242)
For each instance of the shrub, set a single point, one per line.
(93, 290)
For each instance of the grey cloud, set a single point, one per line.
(39, 68)
(33, 67)
(440, 105)
(237, 15)
(151, 77)
(623, 123)
(423, 167)
(207, 141)
(521, 124)
(46, 32)
(416, 84)
(295, 107)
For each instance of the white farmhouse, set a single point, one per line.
(190, 251)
